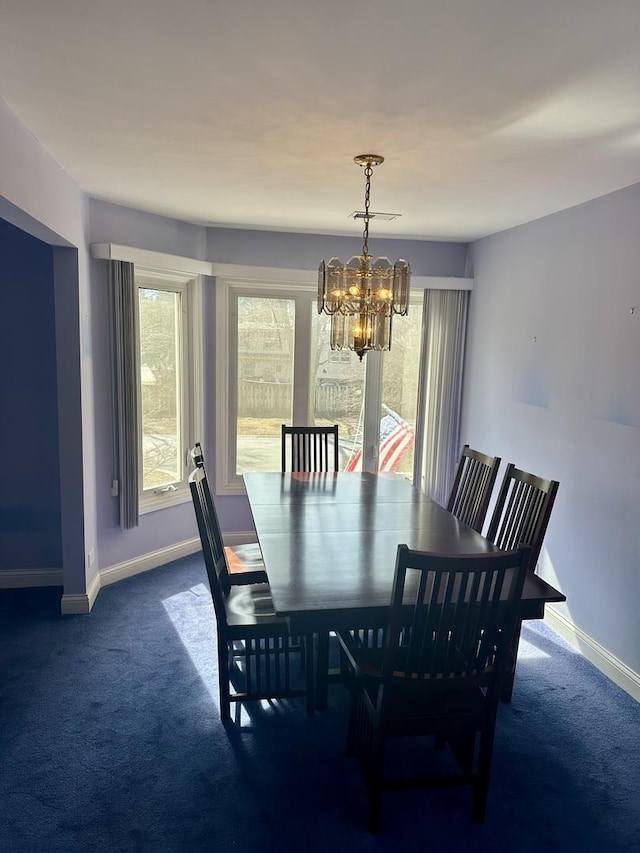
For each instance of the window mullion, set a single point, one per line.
(372, 408)
(302, 361)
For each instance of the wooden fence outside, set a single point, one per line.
(273, 400)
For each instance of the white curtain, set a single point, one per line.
(124, 374)
(437, 440)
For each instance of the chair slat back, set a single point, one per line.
(210, 534)
(452, 619)
(522, 511)
(472, 486)
(197, 456)
(309, 448)
(202, 482)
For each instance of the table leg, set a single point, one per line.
(507, 687)
(311, 687)
(322, 669)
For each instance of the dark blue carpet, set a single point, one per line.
(110, 741)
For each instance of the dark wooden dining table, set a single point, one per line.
(329, 544)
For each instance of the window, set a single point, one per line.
(399, 401)
(280, 369)
(168, 394)
(264, 348)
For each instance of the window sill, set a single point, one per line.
(152, 503)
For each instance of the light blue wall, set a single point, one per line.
(109, 223)
(40, 198)
(305, 251)
(553, 384)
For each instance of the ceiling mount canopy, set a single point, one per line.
(362, 295)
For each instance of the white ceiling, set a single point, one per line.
(248, 113)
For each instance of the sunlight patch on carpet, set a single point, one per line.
(528, 651)
(191, 613)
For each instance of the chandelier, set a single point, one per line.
(362, 295)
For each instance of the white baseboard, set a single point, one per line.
(144, 563)
(80, 604)
(21, 578)
(152, 560)
(608, 664)
(83, 602)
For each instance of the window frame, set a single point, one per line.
(190, 336)
(217, 273)
(228, 290)
(277, 286)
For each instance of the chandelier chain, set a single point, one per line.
(367, 198)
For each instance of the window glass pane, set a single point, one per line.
(160, 387)
(400, 393)
(266, 329)
(336, 391)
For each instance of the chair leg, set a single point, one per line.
(224, 652)
(481, 784)
(307, 654)
(374, 781)
(480, 793)
(304, 652)
(351, 721)
(463, 747)
(322, 669)
(375, 809)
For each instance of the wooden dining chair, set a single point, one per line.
(244, 562)
(309, 448)
(440, 670)
(522, 511)
(256, 653)
(521, 517)
(472, 485)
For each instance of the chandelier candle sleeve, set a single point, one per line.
(362, 295)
